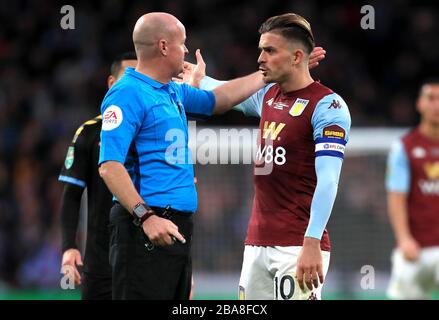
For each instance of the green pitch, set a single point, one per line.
(76, 295)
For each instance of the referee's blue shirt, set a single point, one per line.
(144, 127)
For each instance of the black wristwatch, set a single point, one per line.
(141, 212)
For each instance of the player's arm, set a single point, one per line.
(73, 175)
(203, 103)
(331, 129)
(70, 205)
(116, 138)
(195, 75)
(397, 185)
(118, 181)
(120, 184)
(252, 106)
(310, 263)
(236, 91)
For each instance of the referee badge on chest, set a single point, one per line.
(298, 107)
(69, 158)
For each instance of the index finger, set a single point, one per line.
(309, 274)
(199, 57)
(317, 57)
(178, 236)
(77, 277)
(320, 273)
(318, 49)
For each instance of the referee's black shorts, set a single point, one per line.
(140, 271)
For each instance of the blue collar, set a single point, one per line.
(131, 71)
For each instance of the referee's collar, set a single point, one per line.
(131, 71)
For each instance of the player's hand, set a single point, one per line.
(191, 294)
(410, 249)
(193, 73)
(70, 259)
(186, 74)
(161, 231)
(316, 55)
(309, 264)
(199, 71)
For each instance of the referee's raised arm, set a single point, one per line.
(237, 90)
(228, 94)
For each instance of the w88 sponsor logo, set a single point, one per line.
(267, 155)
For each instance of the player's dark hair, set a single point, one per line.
(117, 62)
(428, 81)
(431, 80)
(291, 26)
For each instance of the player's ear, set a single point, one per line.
(110, 81)
(163, 47)
(298, 56)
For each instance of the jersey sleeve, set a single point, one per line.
(122, 117)
(328, 171)
(331, 124)
(252, 106)
(208, 83)
(398, 169)
(196, 102)
(74, 170)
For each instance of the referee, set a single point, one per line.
(80, 171)
(144, 127)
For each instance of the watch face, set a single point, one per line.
(139, 211)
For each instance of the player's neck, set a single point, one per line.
(430, 130)
(296, 82)
(151, 71)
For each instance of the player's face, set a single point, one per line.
(428, 103)
(276, 58)
(177, 49)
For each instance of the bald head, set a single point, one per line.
(153, 27)
(159, 39)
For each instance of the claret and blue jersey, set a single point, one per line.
(330, 120)
(144, 127)
(303, 136)
(413, 170)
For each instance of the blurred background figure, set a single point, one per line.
(413, 199)
(80, 171)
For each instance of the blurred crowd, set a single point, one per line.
(52, 80)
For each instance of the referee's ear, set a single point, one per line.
(111, 80)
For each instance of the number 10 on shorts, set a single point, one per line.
(286, 287)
